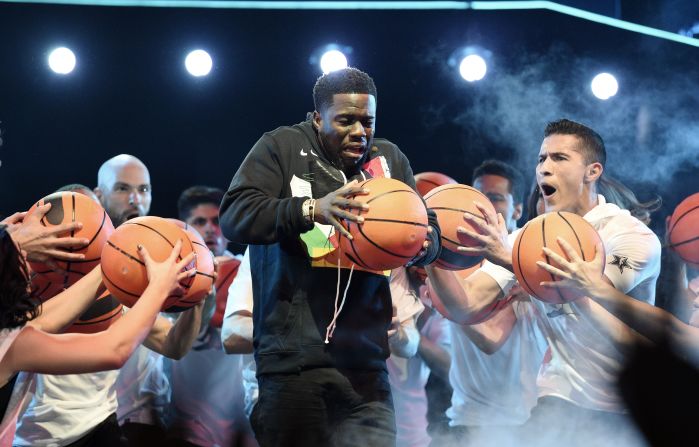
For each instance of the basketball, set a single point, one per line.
(123, 272)
(427, 181)
(450, 202)
(394, 228)
(203, 279)
(104, 312)
(542, 232)
(684, 230)
(68, 207)
(227, 271)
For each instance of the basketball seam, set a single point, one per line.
(115, 285)
(684, 242)
(109, 315)
(582, 253)
(389, 192)
(159, 234)
(376, 219)
(133, 258)
(39, 293)
(72, 234)
(548, 261)
(519, 258)
(104, 219)
(354, 250)
(682, 217)
(458, 210)
(90, 323)
(381, 248)
(453, 187)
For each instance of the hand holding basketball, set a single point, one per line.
(491, 237)
(335, 206)
(46, 244)
(168, 274)
(581, 277)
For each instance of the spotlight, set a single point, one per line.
(471, 61)
(604, 86)
(332, 60)
(62, 60)
(330, 57)
(198, 63)
(473, 68)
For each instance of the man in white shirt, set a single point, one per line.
(494, 389)
(578, 401)
(409, 367)
(207, 390)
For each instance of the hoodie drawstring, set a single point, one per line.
(330, 330)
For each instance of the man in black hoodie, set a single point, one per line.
(321, 368)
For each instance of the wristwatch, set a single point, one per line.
(308, 210)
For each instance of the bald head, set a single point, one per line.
(123, 188)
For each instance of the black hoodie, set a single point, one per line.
(294, 301)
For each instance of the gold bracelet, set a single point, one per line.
(312, 207)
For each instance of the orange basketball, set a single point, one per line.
(227, 271)
(684, 230)
(104, 312)
(123, 272)
(67, 207)
(203, 279)
(450, 202)
(542, 232)
(427, 181)
(394, 227)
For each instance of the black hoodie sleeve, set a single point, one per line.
(253, 211)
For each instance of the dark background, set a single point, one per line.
(131, 94)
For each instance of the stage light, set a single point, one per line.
(471, 62)
(473, 68)
(330, 57)
(332, 60)
(198, 63)
(604, 86)
(62, 60)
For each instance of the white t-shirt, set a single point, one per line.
(143, 389)
(500, 388)
(585, 363)
(240, 299)
(65, 408)
(408, 378)
(20, 390)
(207, 393)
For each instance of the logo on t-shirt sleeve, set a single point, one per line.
(621, 262)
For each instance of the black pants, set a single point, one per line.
(560, 422)
(106, 434)
(143, 435)
(324, 407)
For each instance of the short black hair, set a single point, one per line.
(506, 170)
(346, 80)
(195, 196)
(591, 143)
